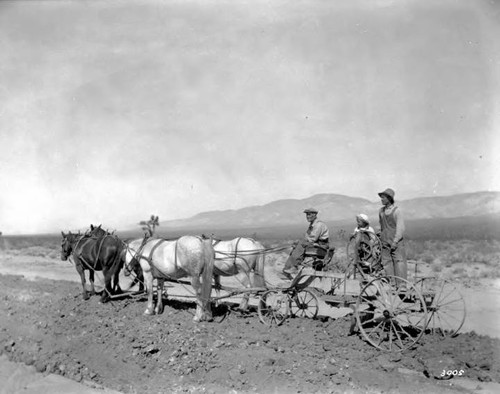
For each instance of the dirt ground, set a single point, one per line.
(46, 323)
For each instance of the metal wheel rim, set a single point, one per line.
(446, 310)
(304, 304)
(390, 323)
(371, 251)
(273, 307)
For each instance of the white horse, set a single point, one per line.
(161, 259)
(242, 258)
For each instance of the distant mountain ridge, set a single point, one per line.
(335, 207)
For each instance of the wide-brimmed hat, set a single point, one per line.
(389, 193)
(311, 210)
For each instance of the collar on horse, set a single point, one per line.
(149, 259)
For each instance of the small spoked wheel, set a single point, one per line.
(445, 306)
(363, 253)
(388, 318)
(304, 304)
(273, 307)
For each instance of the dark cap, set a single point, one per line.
(389, 193)
(310, 210)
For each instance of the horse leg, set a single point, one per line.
(107, 286)
(91, 280)
(139, 277)
(117, 288)
(149, 286)
(243, 278)
(117, 267)
(199, 315)
(159, 296)
(81, 272)
(217, 285)
(203, 312)
(116, 282)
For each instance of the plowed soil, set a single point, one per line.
(47, 324)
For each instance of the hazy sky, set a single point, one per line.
(114, 110)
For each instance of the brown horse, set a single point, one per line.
(95, 254)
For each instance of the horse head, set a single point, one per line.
(97, 231)
(67, 245)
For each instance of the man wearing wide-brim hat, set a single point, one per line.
(317, 233)
(392, 230)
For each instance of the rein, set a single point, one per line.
(231, 255)
(138, 254)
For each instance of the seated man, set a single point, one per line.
(316, 235)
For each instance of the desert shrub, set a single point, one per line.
(38, 251)
(436, 265)
(426, 257)
(458, 271)
(486, 247)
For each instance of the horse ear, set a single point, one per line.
(62, 233)
(91, 227)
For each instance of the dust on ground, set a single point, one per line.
(50, 327)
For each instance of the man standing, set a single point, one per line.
(317, 233)
(392, 229)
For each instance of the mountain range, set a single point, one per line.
(336, 207)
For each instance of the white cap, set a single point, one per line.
(364, 218)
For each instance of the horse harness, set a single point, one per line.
(217, 271)
(149, 259)
(80, 257)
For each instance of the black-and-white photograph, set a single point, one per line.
(268, 196)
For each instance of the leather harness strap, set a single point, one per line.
(80, 257)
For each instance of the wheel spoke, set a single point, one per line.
(382, 336)
(447, 307)
(271, 308)
(305, 304)
(402, 320)
(397, 335)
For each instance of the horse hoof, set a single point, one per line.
(86, 297)
(197, 319)
(147, 312)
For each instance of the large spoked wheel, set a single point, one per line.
(390, 319)
(445, 306)
(304, 304)
(273, 307)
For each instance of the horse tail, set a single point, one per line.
(259, 278)
(208, 270)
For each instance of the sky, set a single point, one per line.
(115, 110)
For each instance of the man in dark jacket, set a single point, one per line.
(392, 230)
